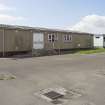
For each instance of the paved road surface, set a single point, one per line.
(83, 73)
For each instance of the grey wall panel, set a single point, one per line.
(78, 41)
(18, 40)
(1, 40)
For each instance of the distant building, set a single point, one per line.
(99, 40)
(21, 39)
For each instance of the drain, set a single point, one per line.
(59, 95)
(53, 95)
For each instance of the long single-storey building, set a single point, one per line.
(14, 39)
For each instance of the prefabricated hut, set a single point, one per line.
(99, 40)
(15, 39)
(44, 38)
(21, 39)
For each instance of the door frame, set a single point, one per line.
(41, 43)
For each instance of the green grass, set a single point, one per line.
(91, 51)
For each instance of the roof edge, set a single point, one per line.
(40, 29)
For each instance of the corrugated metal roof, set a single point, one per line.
(14, 27)
(39, 29)
(99, 34)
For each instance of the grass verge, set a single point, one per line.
(91, 51)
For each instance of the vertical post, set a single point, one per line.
(53, 46)
(3, 44)
(59, 50)
(32, 43)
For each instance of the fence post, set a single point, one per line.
(3, 43)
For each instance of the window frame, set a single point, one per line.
(52, 37)
(67, 38)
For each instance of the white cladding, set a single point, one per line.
(99, 40)
(38, 41)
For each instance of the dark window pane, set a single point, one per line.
(104, 39)
(67, 37)
(97, 37)
(49, 36)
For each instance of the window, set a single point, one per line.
(52, 37)
(104, 39)
(97, 37)
(67, 38)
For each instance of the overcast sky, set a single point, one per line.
(82, 15)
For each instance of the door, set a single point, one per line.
(38, 41)
(104, 41)
(98, 41)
